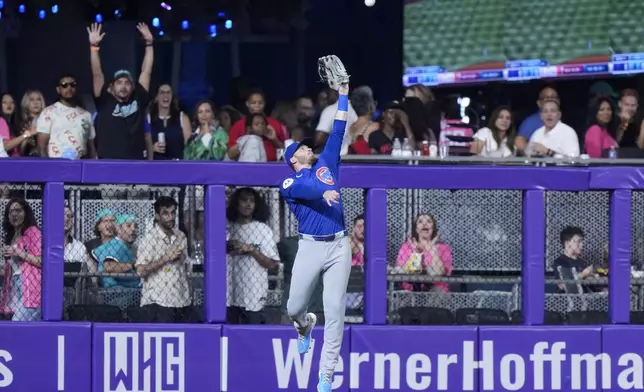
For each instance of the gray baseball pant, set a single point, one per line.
(333, 261)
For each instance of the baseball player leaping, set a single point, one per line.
(313, 194)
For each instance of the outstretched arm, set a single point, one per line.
(95, 38)
(148, 58)
(334, 142)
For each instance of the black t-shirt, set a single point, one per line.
(93, 244)
(631, 133)
(578, 265)
(380, 142)
(120, 126)
(564, 261)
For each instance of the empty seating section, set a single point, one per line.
(455, 33)
(625, 26)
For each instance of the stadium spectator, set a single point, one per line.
(104, 230)
(275, 137)
(14, 145)
(117, 257)
(165, 117)
(31, 107)
(227, 116)
(121, 103)
(325, 125)
(161, 263)
(424, 253)
(325, 98)
(284, 112)
(602, 127)
(209, 140)
(365, 106)
(432, 112)
(572, 241)
(22, 251)
(251, 146)
(418, 121)
(66, 130)
(394, 124)
(10, 114)
(534, 121)
(554, 138)
(297, 135)
(630, 132)
(497, 139)
(357, 241)
(305, 111)
(75, 251)
(252, 251)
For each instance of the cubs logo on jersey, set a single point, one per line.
(324, 174)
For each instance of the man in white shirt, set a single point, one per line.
(554, 139)
(162, 263)
(326, 124)
(66, 130)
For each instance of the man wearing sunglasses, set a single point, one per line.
(65, 130)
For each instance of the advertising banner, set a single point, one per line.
(412, 358)
(45, 357)
(539, 359)
(266, 358)
(622, 359)
(156, 358)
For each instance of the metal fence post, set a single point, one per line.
(375, 295)
(53, 249)
(534, 254)
(215, 290)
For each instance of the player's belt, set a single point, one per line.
(324, 238)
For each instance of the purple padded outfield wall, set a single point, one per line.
(59, 356)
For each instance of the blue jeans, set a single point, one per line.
(22, 313)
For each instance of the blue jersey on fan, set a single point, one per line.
(303, 190)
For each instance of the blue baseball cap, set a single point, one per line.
(123, 73)
(125, 218)
(103, 213)
(293, 147)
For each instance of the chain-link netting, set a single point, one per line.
(453, 254)
(21, 263)
(133, 254)
(577, 229)
(637, 252)
(261, 253)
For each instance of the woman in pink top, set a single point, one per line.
(423, 253)
(21, 289)
(602, 128)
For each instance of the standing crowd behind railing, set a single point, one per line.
(136, 253)
(127, 121)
